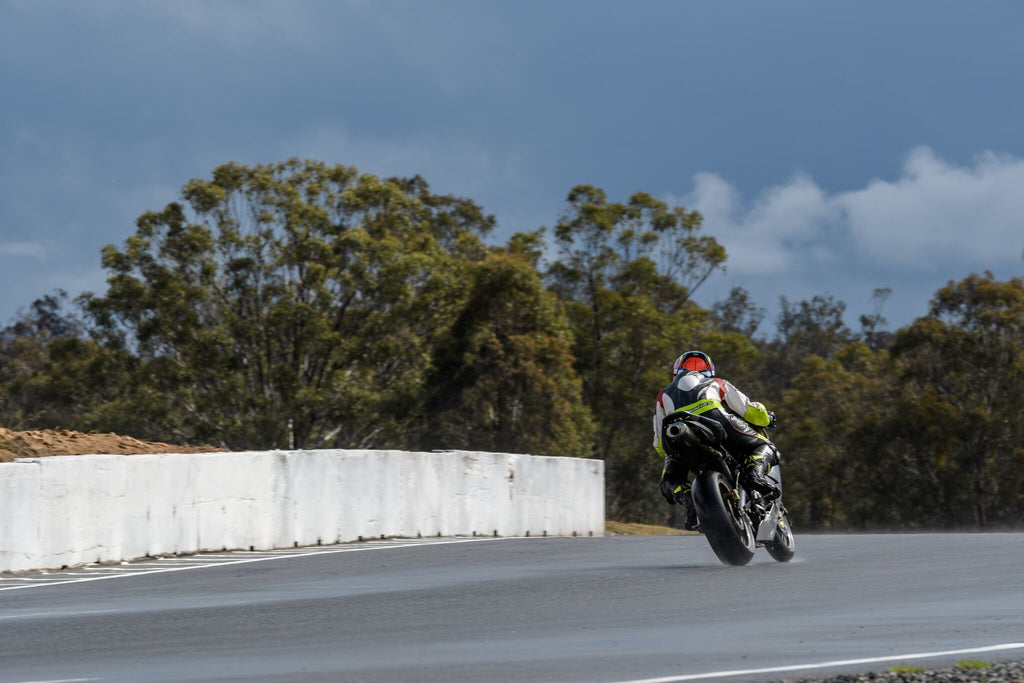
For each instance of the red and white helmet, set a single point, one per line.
(694, 361)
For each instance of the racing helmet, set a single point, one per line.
(694, 361)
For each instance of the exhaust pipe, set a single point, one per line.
(681, 432)
(690, 437)
(676, 430)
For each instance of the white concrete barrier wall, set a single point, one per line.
(19, 500)
(68, 510)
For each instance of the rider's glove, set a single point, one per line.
(772, 422)
(667, 489)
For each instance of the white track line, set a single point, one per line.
(32, 615)
(827, 665)
(282, 556)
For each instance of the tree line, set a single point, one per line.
(303, 305)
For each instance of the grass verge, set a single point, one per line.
(972, 664)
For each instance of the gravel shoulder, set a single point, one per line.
(995, 672)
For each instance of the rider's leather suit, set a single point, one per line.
(719, 400)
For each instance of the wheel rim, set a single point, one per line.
(782, 531)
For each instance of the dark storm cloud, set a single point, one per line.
(788, 110)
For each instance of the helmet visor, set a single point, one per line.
(695, 361)
(695, 364)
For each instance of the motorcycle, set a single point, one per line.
(735, 520)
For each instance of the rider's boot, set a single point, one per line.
(685, 498)
(754, 469)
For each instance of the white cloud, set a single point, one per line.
(33, 250)
(934, 214)
(939, 211)
(780, 226)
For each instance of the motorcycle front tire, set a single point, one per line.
(725, 526)
(782, 547)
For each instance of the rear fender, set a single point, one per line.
(701, 489)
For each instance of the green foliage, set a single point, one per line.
(304, 305)
(961, 372)
(805, 328)
(737, 313)
(834, 413)
(503, 376)
(625, 273)
(291, 305)
(298, 305)
(871, 325)
(972, 664)
(51, 375)
(905, 669)
(926, 434)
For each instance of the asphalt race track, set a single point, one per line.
(536, 609)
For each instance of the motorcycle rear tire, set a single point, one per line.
(727, 529)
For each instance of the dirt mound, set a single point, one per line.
(40, 442)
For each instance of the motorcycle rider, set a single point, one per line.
(695, 388)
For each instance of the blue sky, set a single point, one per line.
(833, 147)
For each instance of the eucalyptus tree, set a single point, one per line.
(503, 377)
(836, 439)
(294, 304)
(923, 435)
(961, 426)
(626, 273)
